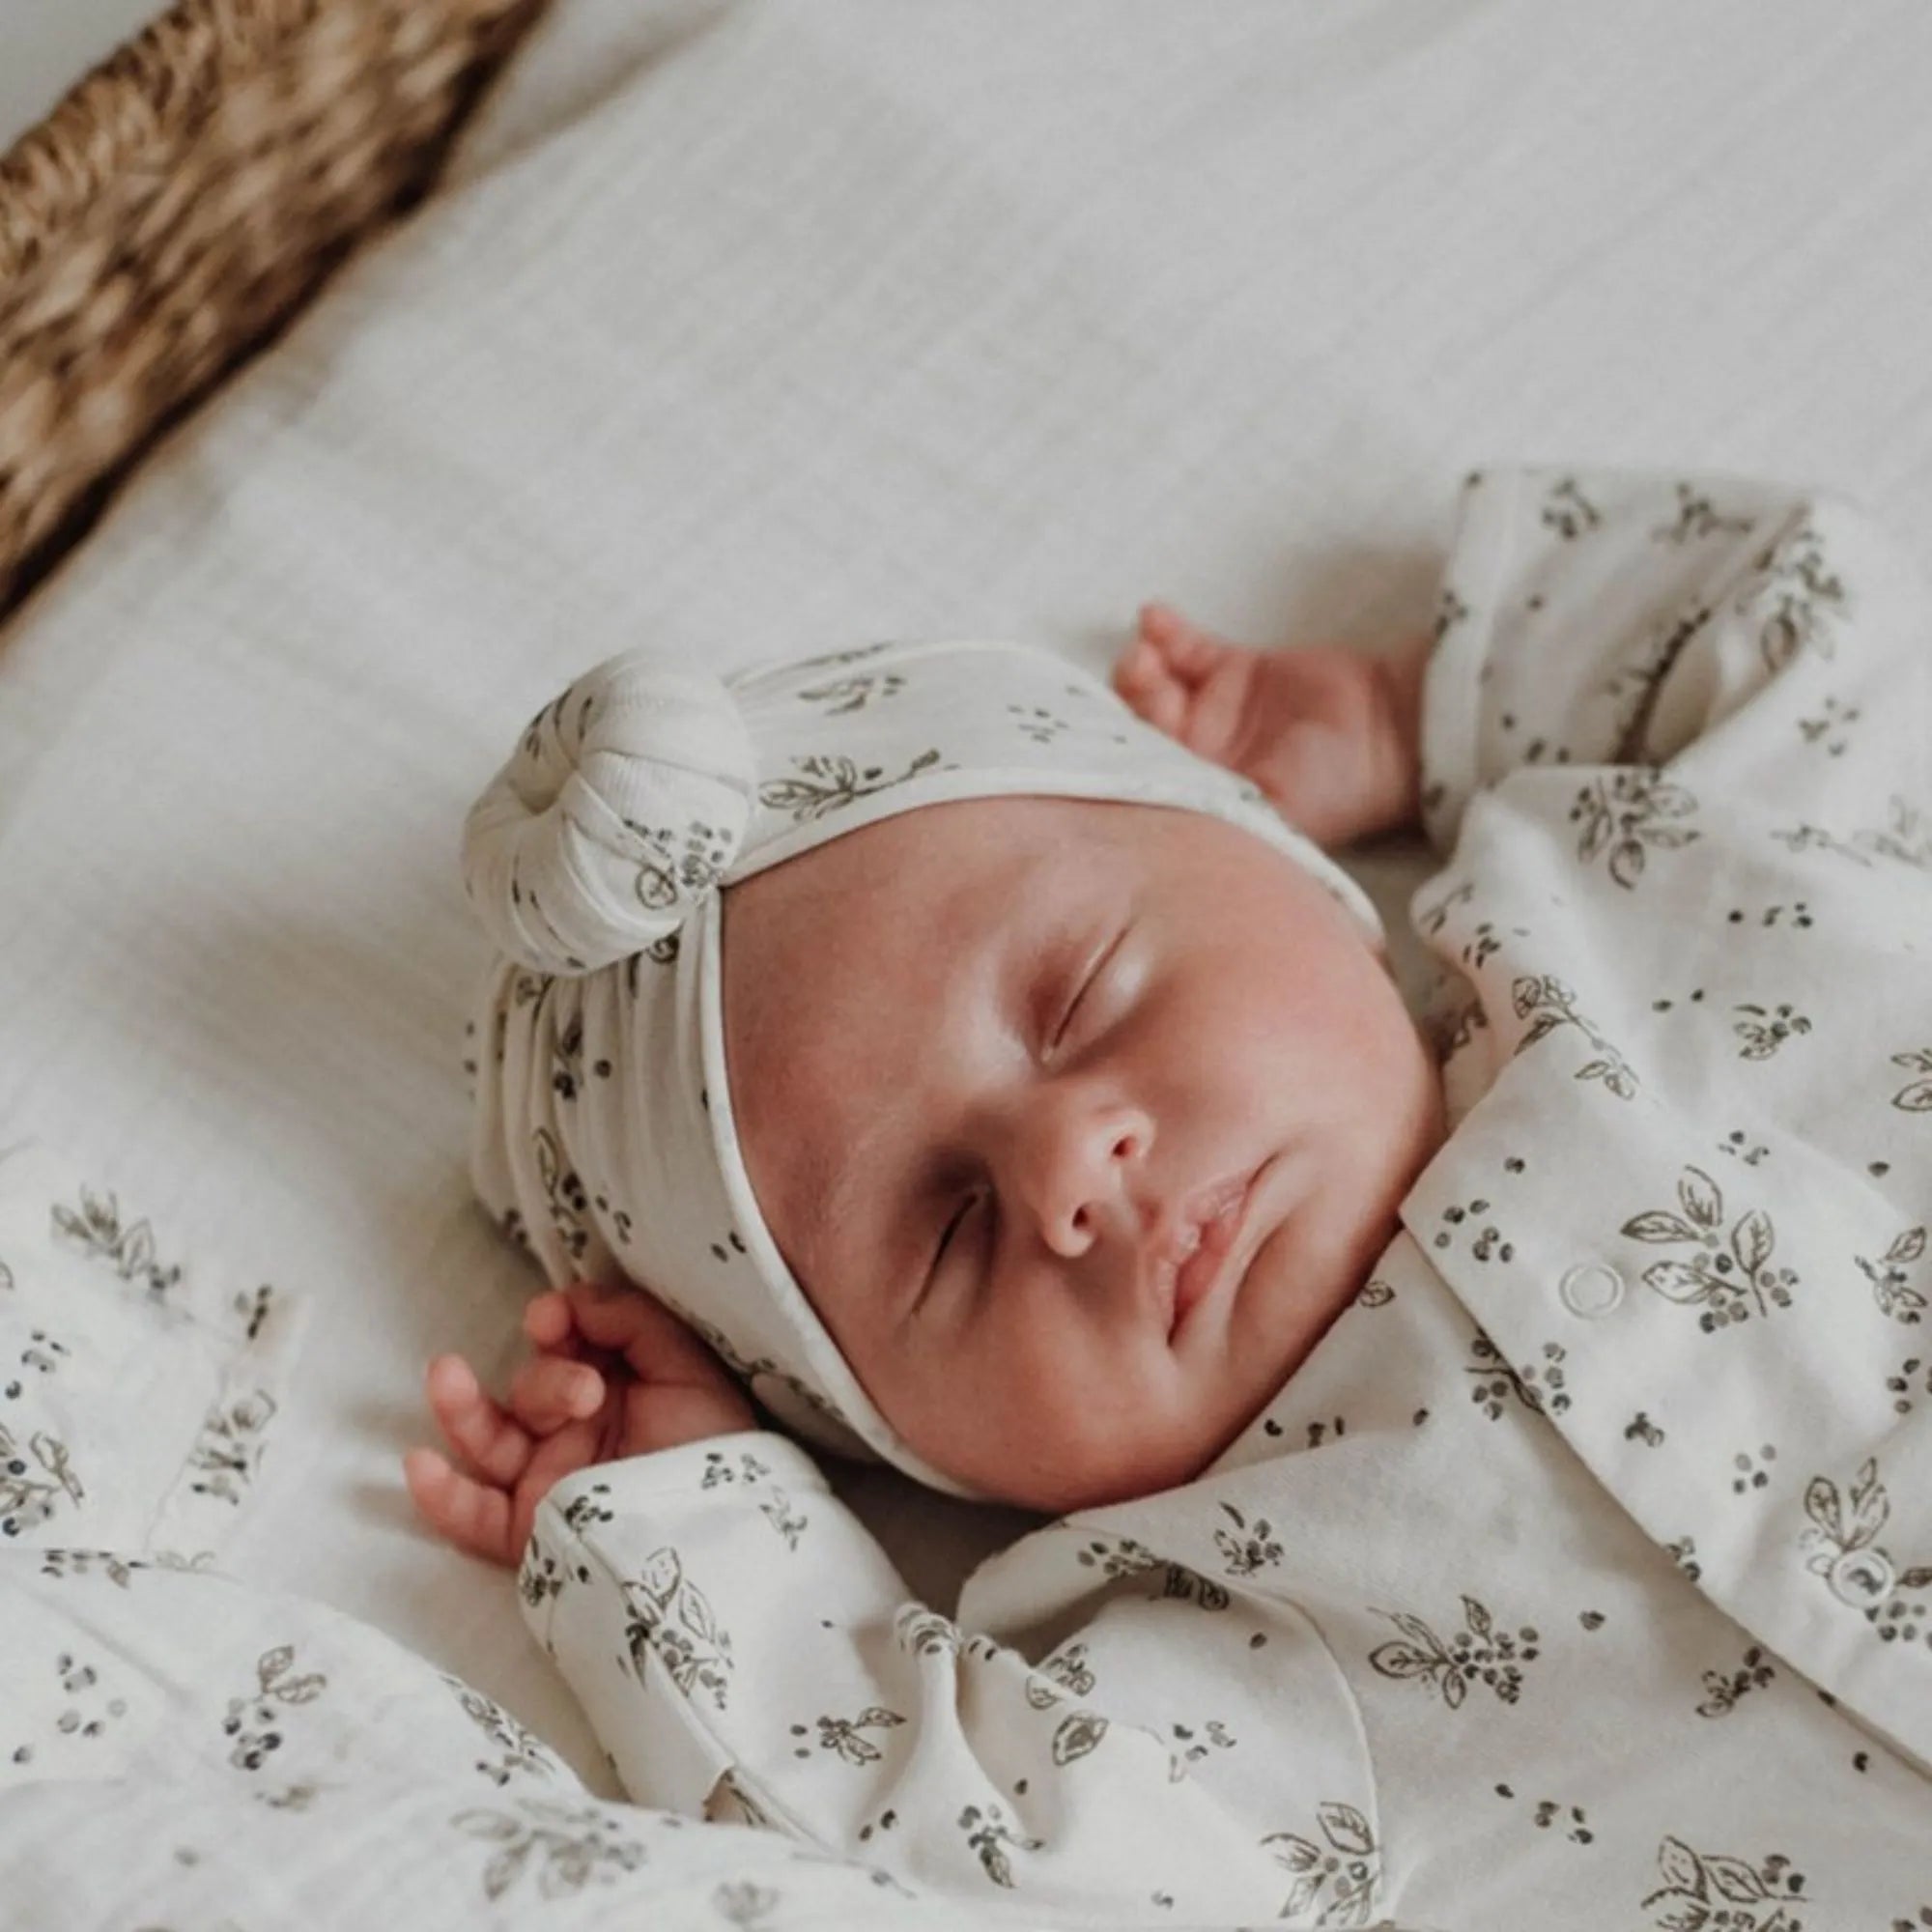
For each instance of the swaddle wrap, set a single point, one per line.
(604, 1135)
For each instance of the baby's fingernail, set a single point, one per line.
(451, 1373)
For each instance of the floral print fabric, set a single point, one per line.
(1582, 1576)
(138, 1389)
(177, 1750)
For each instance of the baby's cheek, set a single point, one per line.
(1054, 1426)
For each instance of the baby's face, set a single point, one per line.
(993, 1064)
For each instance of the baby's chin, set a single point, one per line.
(1076, 1466)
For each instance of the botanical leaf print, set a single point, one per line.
(1498, 1382)
(1037, 723)
(119, 1569)
(44, 1355)
(568, 1847)
(95, 1227)
(1213, 1735)
(777, 1507)
(1123, 1556)
(1705, 1891)
(1906, 836)
(1829, 726)
(1118, 1557)
(1554, 1005)
(926, 1633)
(1335, 1874)
(1430, 920)
(1628, 813)
(1803, 598)
(228, 1449)
(778, 1510)
(1077, 1735)
(1249, 1547)
(845, 1737)
(255, 1721)
(854, 694)
(1697, 517)
(1063, 1674)
(989, 1834)
(33, 1480)
(672, 1618)
(1568, 512)
(830, 780)
(1450, 611)
(519, 1748)
(1722, 1689)
(1910, 1379)
(1478, 1652)
(1725, 1285)
(1915, 1098)
(680, 865)
(541, 1576)
(91, 1706)
(1843, 1522)
(566, 1054)
(1889, 1289)
(857, 655)
(1764, 1030)
(719, 1469)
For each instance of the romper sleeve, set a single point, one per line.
(1746, 633)
(745, 1649)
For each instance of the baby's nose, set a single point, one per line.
(1084, 1192)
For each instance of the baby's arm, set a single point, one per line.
(1755, 640)
(1332, 736)
(744, 1647)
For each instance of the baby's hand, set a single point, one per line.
(1332, 736)
(614, 1374)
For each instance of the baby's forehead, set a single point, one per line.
(914, 911)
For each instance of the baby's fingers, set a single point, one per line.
(496, 1448)
(457, 1507)
(548, 1322)
(656, 1345)
(550, 1390)
(1188, 651)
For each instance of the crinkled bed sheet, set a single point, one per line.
(746, 329)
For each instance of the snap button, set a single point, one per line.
(1591, 1289)
(1862, 1579)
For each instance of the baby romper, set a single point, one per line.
(1582, 1575)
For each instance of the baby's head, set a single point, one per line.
(971, 1078)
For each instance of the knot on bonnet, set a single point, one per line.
(627, 799)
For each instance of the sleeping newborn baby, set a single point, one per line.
(1488, 1454)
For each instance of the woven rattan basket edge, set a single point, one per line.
(185, 202)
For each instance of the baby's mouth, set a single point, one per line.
(1201, 1251)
